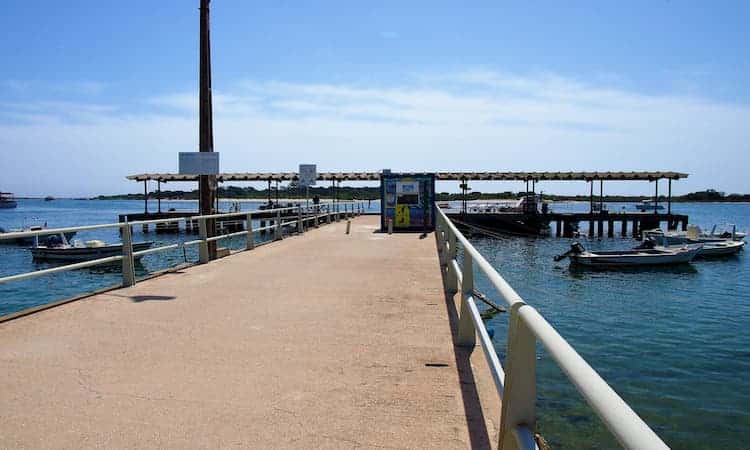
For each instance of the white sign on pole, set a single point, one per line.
(308, 173)
(199, 163)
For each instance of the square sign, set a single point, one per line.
(308, 173)
(199, 163)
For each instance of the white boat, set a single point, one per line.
(695, 233)
(77, 251)
(728, 231)
(658, 255)
(712, 246)
(648, 205)
(7, 201)
(724, 248)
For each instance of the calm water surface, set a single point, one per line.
(673, 342)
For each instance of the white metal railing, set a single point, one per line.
(305, 215)
(517, 386)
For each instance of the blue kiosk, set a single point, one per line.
(408, 199)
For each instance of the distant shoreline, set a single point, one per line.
(735, 199)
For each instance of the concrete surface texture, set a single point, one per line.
(324, 340)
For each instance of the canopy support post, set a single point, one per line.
(158, 195)
(669, 197)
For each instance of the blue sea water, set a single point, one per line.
(20, 295)
(673, 342)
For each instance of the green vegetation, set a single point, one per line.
(365, 193)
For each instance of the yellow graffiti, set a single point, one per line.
(402, 216)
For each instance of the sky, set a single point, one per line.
(92, 91)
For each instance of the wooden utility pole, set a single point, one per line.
(207, 183)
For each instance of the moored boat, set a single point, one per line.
(654, 256)
(87, 251)
(712, 246)
(648, 205)
(526, 216)
(7, 201)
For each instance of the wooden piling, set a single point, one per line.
(611, 228)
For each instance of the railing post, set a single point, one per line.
(300, 225)
(203, 246)
(452, 276)
(519, 396)
(328, 214)
(250, 244)
(128, 262)
(278, 230)
(466, 333)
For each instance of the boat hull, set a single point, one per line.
(8, 204)
(79, 254)
(637, 258)
(721, 248)
(512, 223)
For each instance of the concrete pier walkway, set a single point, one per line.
(323, 340)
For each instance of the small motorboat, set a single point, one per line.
(653, 256)
(648, 205)
(724, 248)
(61, 250)
(7, 201)
(729, 231)
(712, 246)
(49, 198)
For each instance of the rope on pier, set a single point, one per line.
(480, 296)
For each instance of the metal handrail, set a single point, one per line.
(323, 210)
(517, 386)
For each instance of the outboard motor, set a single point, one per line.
(576, 248)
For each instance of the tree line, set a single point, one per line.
(373, 193)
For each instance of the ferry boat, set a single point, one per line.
(7, 201)
(526, 216)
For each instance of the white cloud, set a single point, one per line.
(470, 120)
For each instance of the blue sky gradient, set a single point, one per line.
(105, 89)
